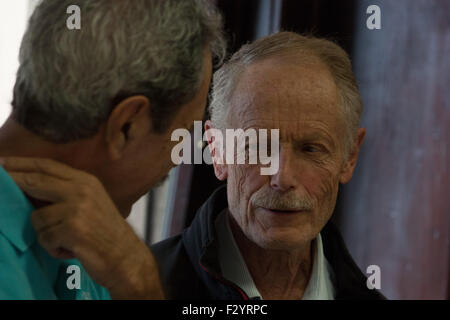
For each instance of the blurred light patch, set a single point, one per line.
(13, 20)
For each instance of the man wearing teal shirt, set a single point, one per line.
(26, 269)
(98, 104)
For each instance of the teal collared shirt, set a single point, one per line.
(27, 271)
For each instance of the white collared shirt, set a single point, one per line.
(234, 268)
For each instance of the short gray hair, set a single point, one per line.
(330, 54)
(69, 81)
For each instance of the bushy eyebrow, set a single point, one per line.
(306, 135)
(315, 137)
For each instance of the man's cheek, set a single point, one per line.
(327, 196)
(237, 178)
(234, 186)
(241, 188)
(250, 180)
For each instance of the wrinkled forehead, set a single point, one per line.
(275, 93)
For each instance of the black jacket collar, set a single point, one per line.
(201, 246)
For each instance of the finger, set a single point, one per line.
(44, 187)
(61, 253)
(49, 216)
(41, 165)
(56, 242)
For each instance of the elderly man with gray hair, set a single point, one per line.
(269, 236)
(101, 103)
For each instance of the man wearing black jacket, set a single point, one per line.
(189, 266)
(269, 236)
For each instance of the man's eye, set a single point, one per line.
(311, 148)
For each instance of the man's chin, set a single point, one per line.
(284, 240)
(124, 209)
(125, 213)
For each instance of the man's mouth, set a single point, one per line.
(285, 211)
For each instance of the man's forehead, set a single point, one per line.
(282, 71)
(284, 92)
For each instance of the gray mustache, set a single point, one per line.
(277, 201)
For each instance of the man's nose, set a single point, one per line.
(286, 177)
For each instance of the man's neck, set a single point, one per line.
(278, 274)
(17, 141)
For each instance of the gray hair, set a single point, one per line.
(334, 58)
(69, 81)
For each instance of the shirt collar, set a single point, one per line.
(319, 286)
(15, 211)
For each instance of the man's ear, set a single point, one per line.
(220, 168)
(129, 121)
(349, 166)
